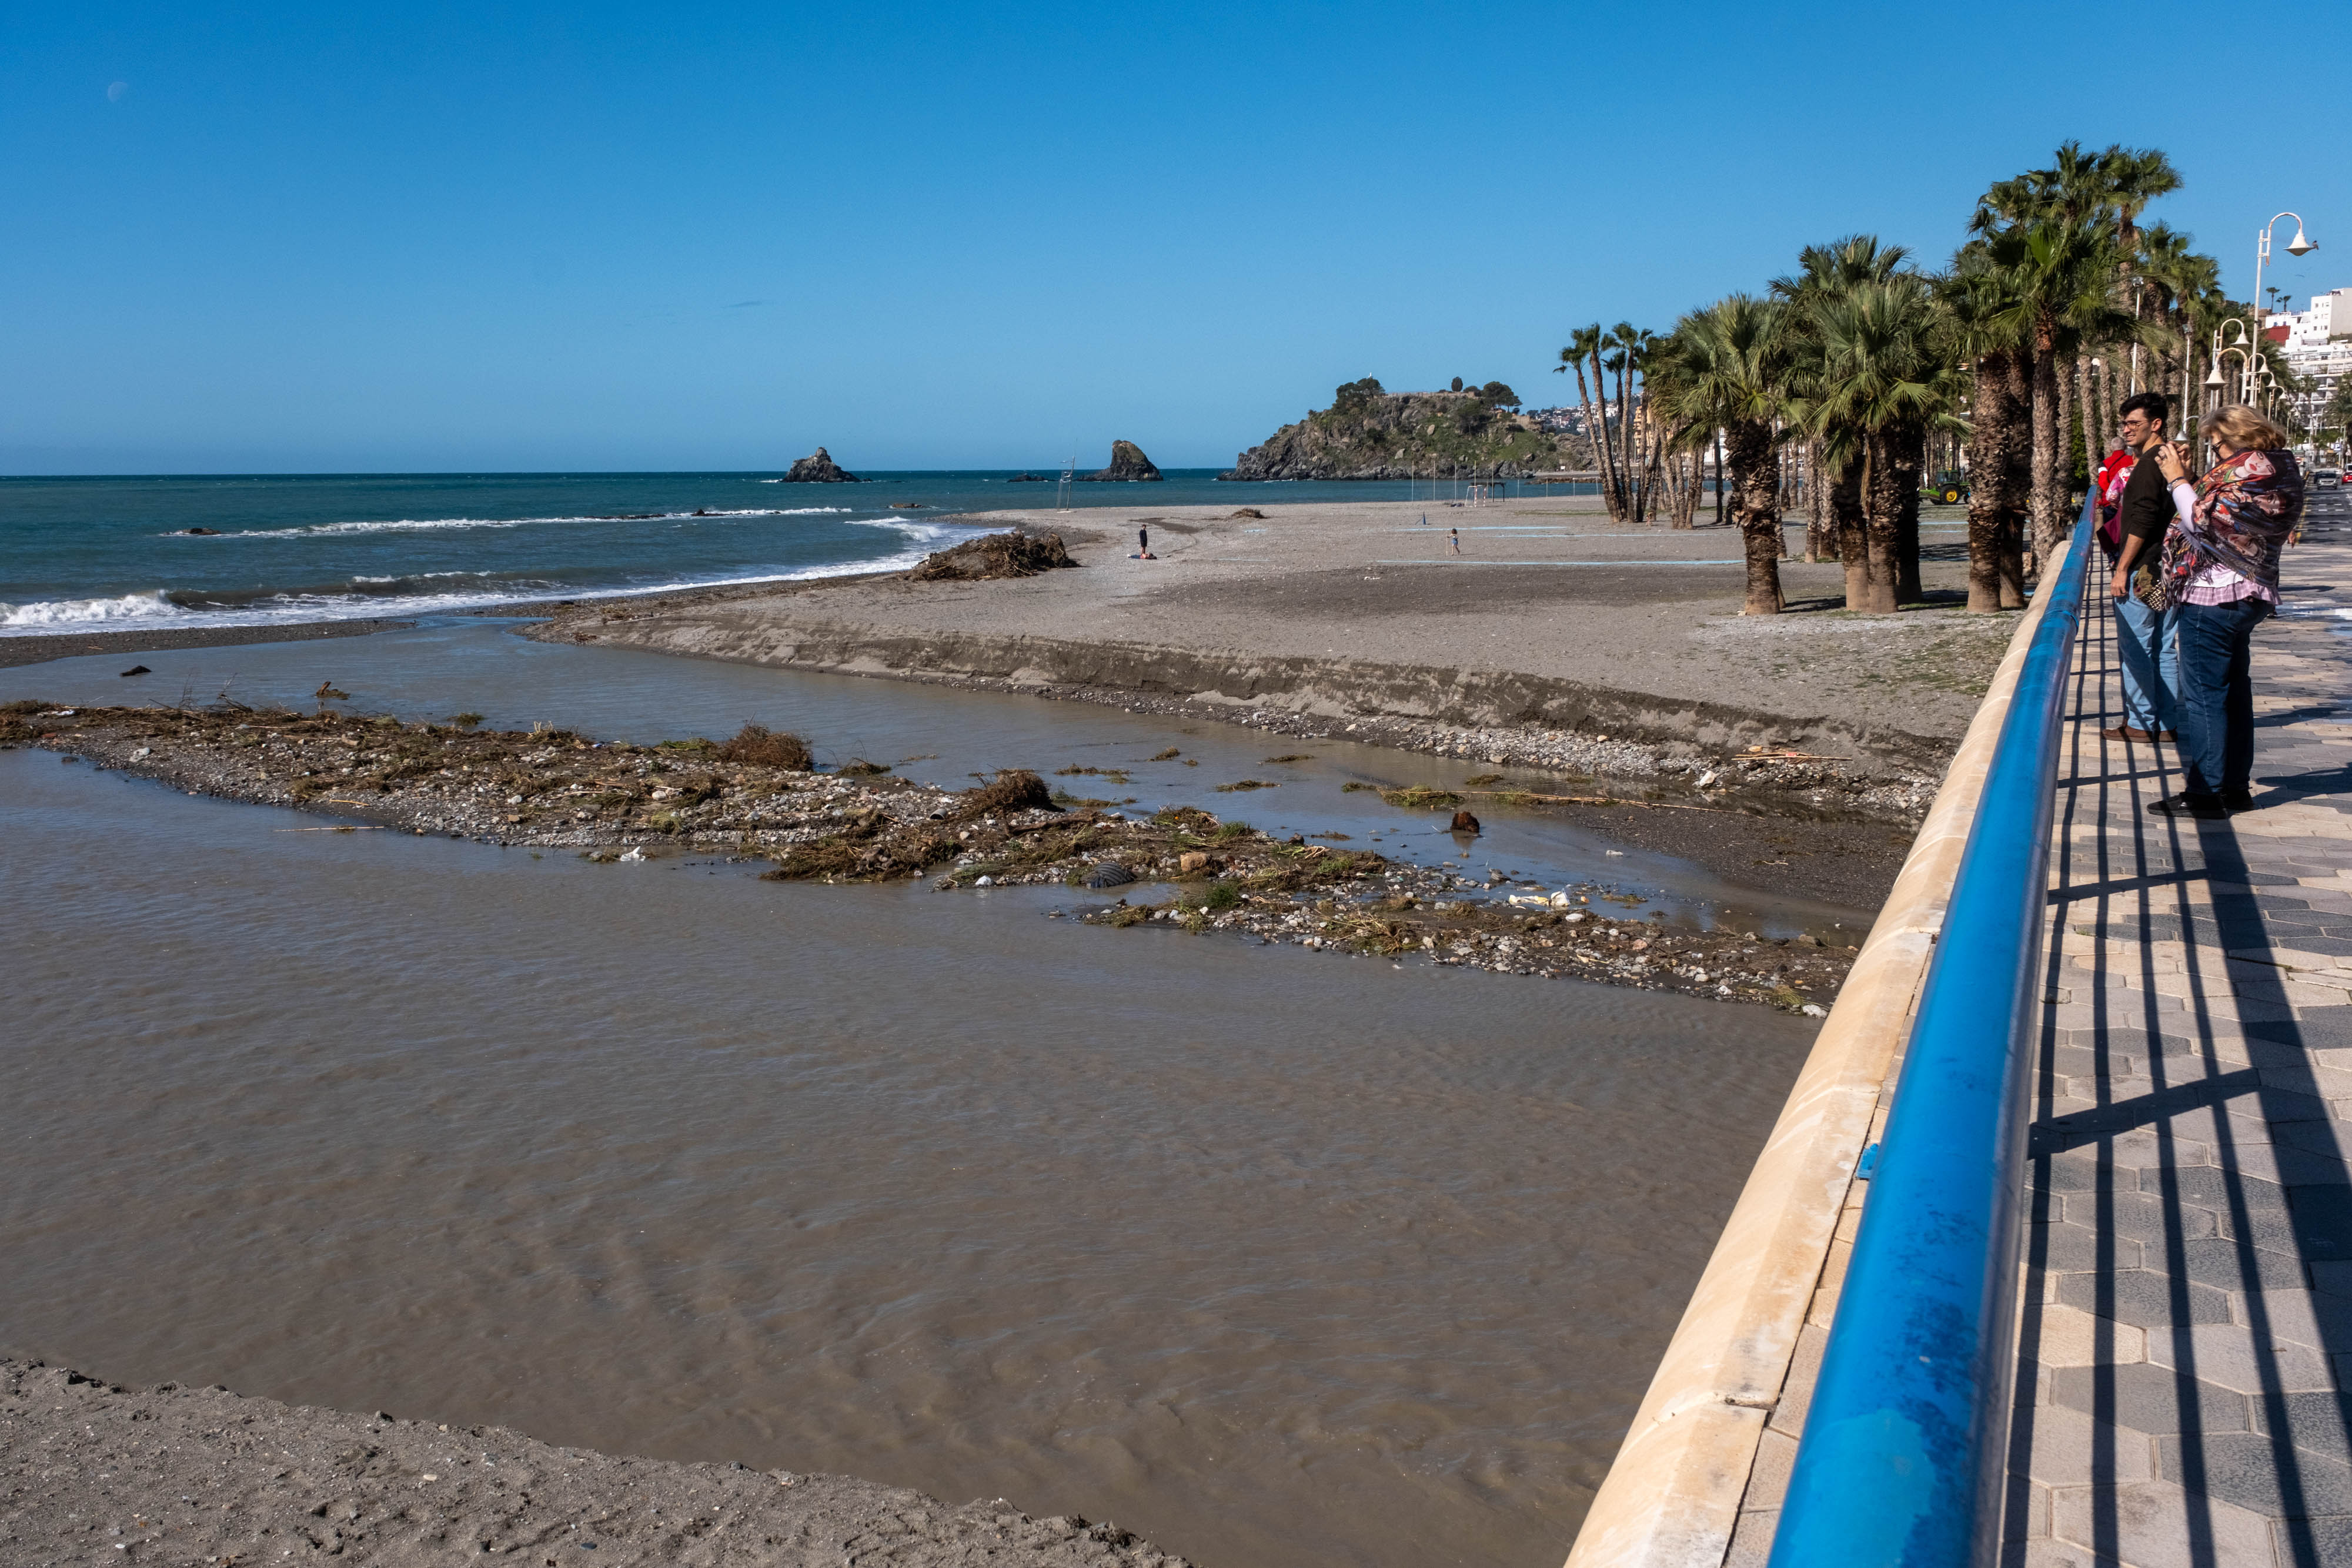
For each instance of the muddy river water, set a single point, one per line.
(1272, 1257)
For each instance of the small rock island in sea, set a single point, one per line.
(819, 469)
(1126, 462)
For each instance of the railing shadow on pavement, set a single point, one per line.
(2186, 1205)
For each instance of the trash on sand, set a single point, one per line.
(137, 670)
(1814, 1011)
(1195, 861)
(635, 853)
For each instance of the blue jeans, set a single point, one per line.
(2216, 695)
(2151, 662)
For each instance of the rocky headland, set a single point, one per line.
(1127, 464)
(819, 469)
(1370, 432)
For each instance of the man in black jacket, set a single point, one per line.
(2143, 634)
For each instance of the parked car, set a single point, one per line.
(2326, 478)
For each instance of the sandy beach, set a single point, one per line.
(1552, 631)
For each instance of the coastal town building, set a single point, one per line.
(2317, 344)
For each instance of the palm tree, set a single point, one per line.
(1988, 337)
(1584, 347)
(1730, 369)
(2057, 274)
(2064, 232)
(1635, 346)
(1885, 377)
(1825, 272)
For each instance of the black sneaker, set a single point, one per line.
(2186, 804)
(2237, 800)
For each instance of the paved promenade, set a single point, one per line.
(2186, 1335)
(2185, 1345)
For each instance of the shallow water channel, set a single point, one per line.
(1273, 1257)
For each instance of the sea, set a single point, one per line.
(78, 555)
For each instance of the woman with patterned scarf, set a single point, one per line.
(2221, 567)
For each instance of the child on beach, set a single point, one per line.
(1454, 537)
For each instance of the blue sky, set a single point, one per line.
(712, 237)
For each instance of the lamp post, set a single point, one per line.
(2298, 245)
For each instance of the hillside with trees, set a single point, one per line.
(1370, 433)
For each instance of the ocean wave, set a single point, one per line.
(85, 614)
(371, 598)
(427, 525)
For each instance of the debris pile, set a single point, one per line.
(993, 556)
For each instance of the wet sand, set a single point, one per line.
(171, 1474)
(15, 652)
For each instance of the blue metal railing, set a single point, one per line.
(1904, 1452)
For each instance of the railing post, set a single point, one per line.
(1905, 1448)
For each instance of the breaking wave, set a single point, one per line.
(434, 524)
(397, 597)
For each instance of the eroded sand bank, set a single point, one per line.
(1552, 628)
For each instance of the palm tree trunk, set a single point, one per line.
(1819, 542)
(1999, 445)
(1603, 452)
(2048, 507)
(1584, 396)
(1853, 537)
(1882, 524)
(2068, 429)
(1625, 434)
(1756, 462)
(1906, 458)
(1628, 468)
(1719, 497)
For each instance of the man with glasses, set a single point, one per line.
(2143, 634)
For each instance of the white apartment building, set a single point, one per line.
(2318, 346)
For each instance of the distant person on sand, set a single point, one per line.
(1454, 537)
(1143, 544)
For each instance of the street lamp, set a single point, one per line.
(2298, 245)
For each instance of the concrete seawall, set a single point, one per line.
(1673, 1496)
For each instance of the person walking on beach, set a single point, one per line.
(1143, 544)
(2220, 575)
(1453, 538)
(2143, 513)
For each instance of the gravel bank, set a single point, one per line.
(754, 799)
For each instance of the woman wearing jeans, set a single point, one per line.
(2220, 573)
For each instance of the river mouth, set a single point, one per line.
(1269, 1256)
